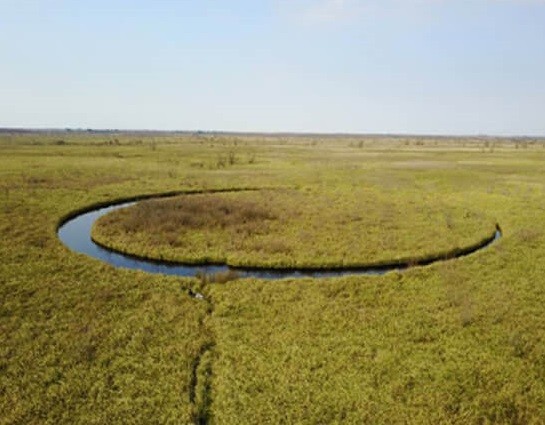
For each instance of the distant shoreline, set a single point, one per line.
(23, 130)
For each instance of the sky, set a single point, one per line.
(459, 67)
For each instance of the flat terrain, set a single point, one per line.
(339, 226)
(459, 341)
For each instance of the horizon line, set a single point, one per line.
(254, 133)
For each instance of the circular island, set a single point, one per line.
(280, 233)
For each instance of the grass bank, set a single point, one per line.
(342, 226)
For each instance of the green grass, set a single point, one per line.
(339, 226)
(456, 342)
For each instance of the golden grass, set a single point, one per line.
(456, 342)
(329, 227)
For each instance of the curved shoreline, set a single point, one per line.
(74, 230)
(131, 199)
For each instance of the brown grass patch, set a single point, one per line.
(193, 212)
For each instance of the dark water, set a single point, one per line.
(76, 235)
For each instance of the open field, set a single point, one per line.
(334, 227)
(456, 342)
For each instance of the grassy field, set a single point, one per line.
(339, 226)
(456, 342)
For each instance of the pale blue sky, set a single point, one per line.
(375, 66)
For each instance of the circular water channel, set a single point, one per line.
(75, 233)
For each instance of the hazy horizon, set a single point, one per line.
(265, 133)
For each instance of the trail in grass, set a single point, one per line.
(200, 385)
